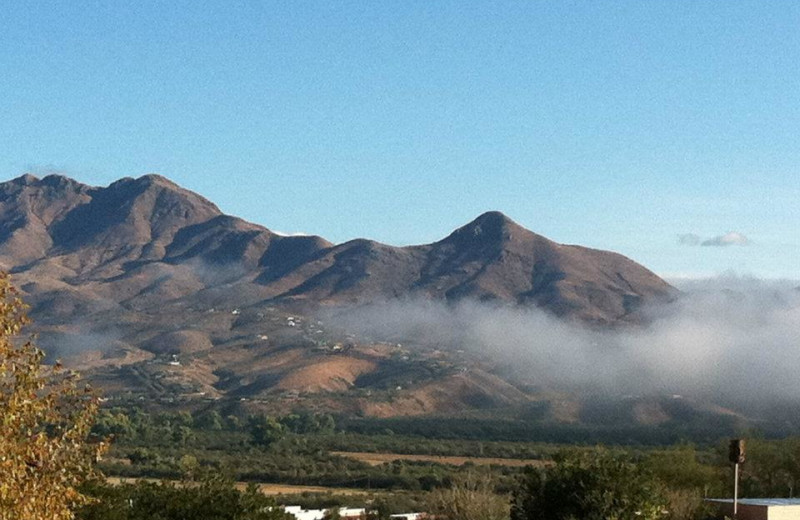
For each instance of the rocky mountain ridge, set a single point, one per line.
(116, 238)
(153, 293)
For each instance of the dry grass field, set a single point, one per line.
(376, 459)
(267, 489)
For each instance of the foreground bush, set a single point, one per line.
(210, 499)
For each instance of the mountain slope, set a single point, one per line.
(154, 293)
(137, 237)
(148, 239)
(491, 258)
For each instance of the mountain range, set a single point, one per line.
(152, 292)
(131, 242)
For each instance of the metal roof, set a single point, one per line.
(769, 502)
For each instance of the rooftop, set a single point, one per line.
(759, 501)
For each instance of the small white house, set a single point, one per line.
(344, 512)
(305, 514)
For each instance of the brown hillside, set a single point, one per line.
(159, 296)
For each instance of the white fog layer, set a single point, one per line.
(729, 337)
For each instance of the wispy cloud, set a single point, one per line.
(728, 239)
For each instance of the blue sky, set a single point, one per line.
(617, 125)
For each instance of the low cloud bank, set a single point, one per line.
(732, 338)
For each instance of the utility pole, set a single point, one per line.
(735, 491)
(736, 455)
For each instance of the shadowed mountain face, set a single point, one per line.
(139, 238)
(149, 219)
(148, 288)
(491, 258)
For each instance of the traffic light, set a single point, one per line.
(736, 451)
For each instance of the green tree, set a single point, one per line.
(687, 481)
(182, 434)
(188, 465)
(470, 497)
(304, 421)
(183, 419)
(213, 498)
(110, 423)
(144, 456)
(264, 430)
(210, 420)
(593, 484)
(679, 467)
(46, 417)
(232, 423)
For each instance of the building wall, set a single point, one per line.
(746, 512)
(754, 512)
(784, 513)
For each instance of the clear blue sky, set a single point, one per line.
(618, 125)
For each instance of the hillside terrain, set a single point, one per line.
(155, 294)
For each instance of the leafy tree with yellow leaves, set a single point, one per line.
(45, 421)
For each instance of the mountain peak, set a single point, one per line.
(155, 193)
(146, 181)
(156, 179)
(26, 179)
(493, 220)
(49, 180)
(492, 226)
(57, 180)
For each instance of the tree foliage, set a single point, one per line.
(589, 485)
(46, 419)
(470, 497)
(686, 480)
(265, 429)
(211, 498)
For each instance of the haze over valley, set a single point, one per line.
(152, 292)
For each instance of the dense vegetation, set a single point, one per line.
(699, 428)
(209, 498)
(296, 449)
(49, 452)
(186, 448)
